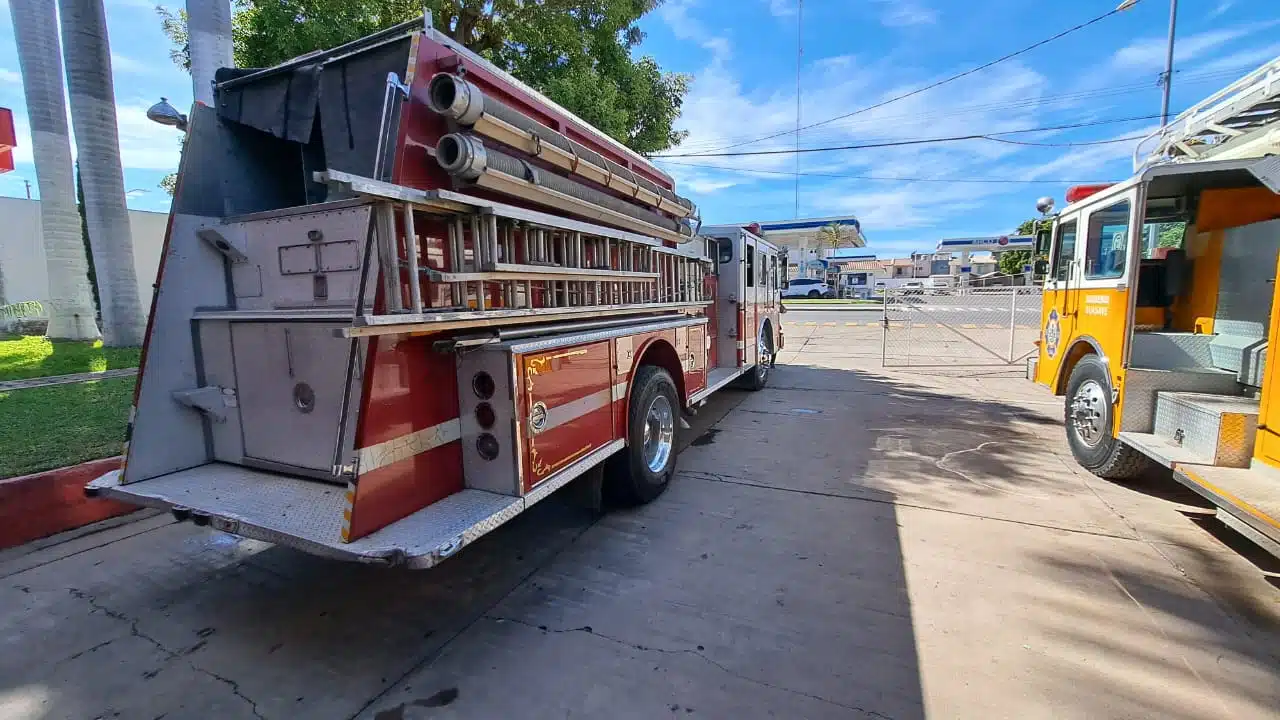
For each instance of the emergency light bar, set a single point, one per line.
(1076, 193)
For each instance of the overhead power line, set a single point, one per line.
(926, 141)
(1065, 144)
(944, 81)
(1015, 104)
(992, 181)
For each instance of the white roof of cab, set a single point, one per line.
(1204, 167)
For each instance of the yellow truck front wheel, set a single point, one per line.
(1090, 423)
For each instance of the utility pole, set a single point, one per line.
(799, 65)
(1167, 79)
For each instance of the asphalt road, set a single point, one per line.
(860, 314)
(850, 542)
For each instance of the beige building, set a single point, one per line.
(22, 260)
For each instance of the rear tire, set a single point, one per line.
(1089, 417)
(641, 472)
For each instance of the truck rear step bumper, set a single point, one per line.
(307, 515)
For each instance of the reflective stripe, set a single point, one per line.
(349, 499)
(741, 345)
(406, 446)
(571, 411)
(619, 391)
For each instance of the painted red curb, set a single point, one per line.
(40, 505)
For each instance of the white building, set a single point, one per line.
(22, 259)
(990, 247)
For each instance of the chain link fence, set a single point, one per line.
(960, 327)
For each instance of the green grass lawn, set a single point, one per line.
(50, 427)
(31, 357)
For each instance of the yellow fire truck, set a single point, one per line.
(1157, 313)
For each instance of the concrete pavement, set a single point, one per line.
(851, 542)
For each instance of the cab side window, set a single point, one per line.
(751, 266)
(1064, 250)
(1107, 247)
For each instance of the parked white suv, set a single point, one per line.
(806, 287)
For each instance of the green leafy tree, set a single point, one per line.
(1012, 261)
(577, 52)
(1171, 235)
(1029, 227)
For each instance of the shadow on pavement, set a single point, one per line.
(770, 581)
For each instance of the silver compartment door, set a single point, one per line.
(289, 379)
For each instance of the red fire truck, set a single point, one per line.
(403, 297)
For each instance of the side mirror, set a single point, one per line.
(1041, 267)
(1044, 240)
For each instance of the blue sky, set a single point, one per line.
(742, 56)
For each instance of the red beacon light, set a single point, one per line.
(1076, 193)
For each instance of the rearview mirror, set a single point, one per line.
(1044, 238)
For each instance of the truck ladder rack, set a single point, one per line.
(504, 264)
(1235, 122)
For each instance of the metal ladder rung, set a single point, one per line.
(1218, 121)
(533, 272)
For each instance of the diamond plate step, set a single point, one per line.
(1163, 451)
(1218, 428)
(308, 515)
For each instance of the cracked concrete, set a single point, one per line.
(849, 543)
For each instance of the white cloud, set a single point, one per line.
(125, 64)
(834, 63)
(706, 185)
(905, 13)
(10, 77)
(675, 15)
(1088, 161)
(781, 8)
(721, 112)
(1222, 7)
(1242, 60)
(143, 144)
(1149, 53)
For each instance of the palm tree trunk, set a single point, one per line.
(70, 306)
(209, 41)
(93, 115)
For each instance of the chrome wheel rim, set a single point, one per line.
(1088, 412)
(762, 359)
(659, 433)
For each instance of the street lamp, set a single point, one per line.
(166, 114)
(1166, 79)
